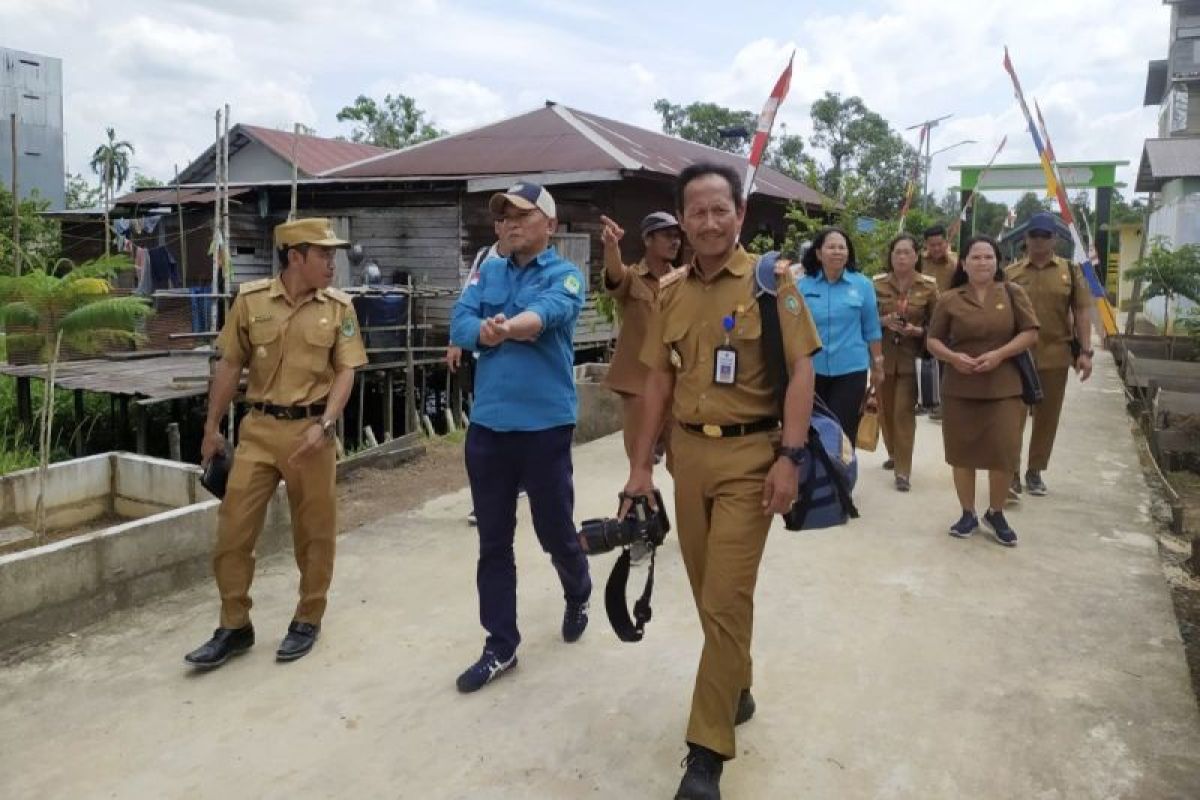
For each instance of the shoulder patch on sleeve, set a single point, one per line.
(571, 283)
(338, 295)
(254, 286)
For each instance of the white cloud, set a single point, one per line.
(157, 72)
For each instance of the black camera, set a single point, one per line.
(641, 523)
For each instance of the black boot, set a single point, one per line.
(746, 707)
(301, 636)
(225, 642)
(702, 781)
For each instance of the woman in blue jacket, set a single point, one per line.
(842, 303)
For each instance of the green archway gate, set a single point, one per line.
(1098, 175)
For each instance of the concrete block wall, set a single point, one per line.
(64, 585)
(599, 406)
(76, 490)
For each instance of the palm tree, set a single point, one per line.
(41, 310)
(110, 161)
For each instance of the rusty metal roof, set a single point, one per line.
(166, 196)
(1167, 159)
(561, 139)
(314, 154)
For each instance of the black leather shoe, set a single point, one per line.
(225, 642)
(702, 781)
(301, 637)
(746, 707)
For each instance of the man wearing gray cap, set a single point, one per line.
(519, 314)
(635, 290)
(1063, 304)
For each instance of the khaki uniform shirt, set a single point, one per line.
(684, 334)
(636, 296)
(916, 305)
(964, 325)
(1050, 289)
(292, 350)
(941, 271)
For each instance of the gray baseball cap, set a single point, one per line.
(657, 221)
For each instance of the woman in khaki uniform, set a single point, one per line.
(906, 300)
(977, 327)
(635, 289)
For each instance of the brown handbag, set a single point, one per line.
(868, 425)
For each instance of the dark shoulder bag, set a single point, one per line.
(1031, 384)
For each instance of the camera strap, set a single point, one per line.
(614, 599)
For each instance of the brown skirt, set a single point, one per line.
(983, 434)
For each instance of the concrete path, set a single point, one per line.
(893, 661)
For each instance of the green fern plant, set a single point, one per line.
(41, 311)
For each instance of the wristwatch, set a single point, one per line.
(328, 427)
(794, 454)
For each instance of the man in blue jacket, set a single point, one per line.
(519, 314)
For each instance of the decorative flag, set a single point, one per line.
(1060, 191)
(952, 233)
(912, 178)
(1047, 170)
(1057, 188)
(762, 133)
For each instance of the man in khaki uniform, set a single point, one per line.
(300, 340)
(938, 261)
(1063, 305)
(734, 467)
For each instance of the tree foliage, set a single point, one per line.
(80, 193)
(1169, 274)
(395, 123)
(40, 241)
(708, 124)
(110, 162)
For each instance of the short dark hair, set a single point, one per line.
(809, 260)
(960, 272)
(891, 247)
(282, 252)
(704, 168)
(934, 230)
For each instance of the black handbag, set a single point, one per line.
(216, 473)
(1031, 384)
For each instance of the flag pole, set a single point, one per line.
(1055, 188)
(762, 131)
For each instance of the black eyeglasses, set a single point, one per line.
(1040, 235)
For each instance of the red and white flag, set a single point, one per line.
(762, 133)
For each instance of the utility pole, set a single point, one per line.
(926, 158)
(16, 237)
(182, 233)
(295, 169)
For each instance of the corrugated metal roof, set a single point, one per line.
(314, 154)
(165, 196)
(1166, 159)
(560, 139)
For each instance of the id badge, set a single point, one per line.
(725, 365)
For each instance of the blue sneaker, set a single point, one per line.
(965, 526)
(575, 620)
(484, 671)
(1000, 528)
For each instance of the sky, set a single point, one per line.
(156, 72)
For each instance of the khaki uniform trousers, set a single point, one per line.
(898, 419)
(1045, 417)
(722, 533)
(259, 463)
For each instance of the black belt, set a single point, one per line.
(289, 412)
(724, 431)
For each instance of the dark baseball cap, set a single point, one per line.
(524, 195)
(657, 221)
(1042, 221)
